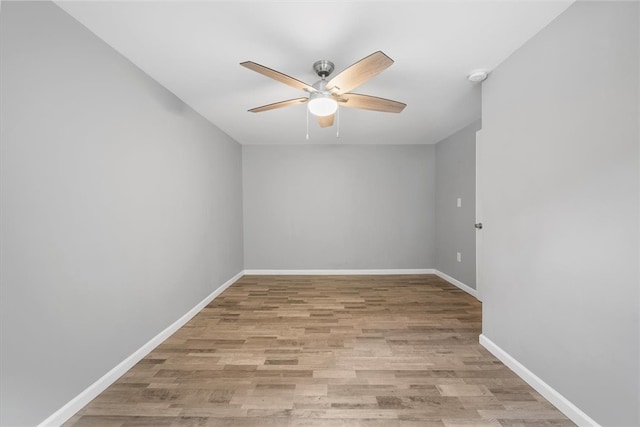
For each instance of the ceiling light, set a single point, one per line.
(322, 104)
(477, 76)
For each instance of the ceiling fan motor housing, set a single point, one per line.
(323, 68)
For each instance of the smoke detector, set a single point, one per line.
(477, 76)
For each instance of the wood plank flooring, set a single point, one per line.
(325, 351)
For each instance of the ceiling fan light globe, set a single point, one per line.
(322, 106)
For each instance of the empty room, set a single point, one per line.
(320, 213)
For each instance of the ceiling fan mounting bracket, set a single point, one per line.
(323, 68)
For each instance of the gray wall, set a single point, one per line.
(560, 208)
(121, 209)
(338, 206)
(456, 179)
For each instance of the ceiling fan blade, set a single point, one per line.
(326, 121)
(359, 72)
(277, 75)
(367, 102)
(279, 105)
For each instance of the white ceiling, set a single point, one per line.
(194, 49)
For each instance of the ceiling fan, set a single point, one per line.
(325, 96)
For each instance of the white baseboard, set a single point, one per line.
(457, 283)
(91, 392)
(559, 401)
(338, 272)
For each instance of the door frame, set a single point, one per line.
(479, 232)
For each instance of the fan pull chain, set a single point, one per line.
(307, 123)
(338, 123)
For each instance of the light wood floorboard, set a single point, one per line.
(325, 351)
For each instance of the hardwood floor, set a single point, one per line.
(325, 351)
